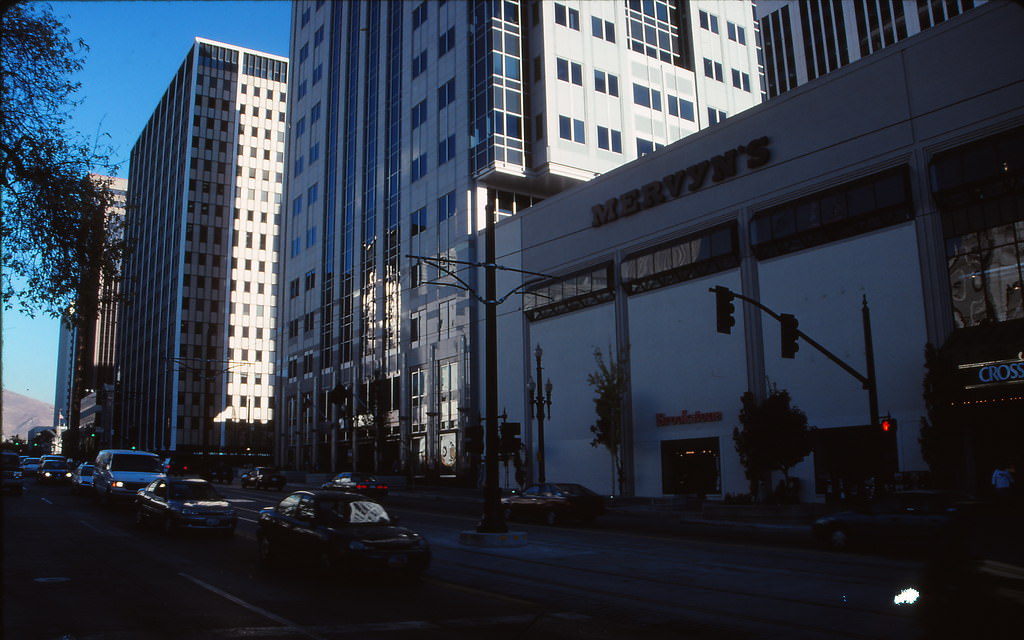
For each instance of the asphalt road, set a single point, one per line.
(75, 571)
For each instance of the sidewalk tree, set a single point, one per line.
(774, 437)
(55, 222)
(610, 381)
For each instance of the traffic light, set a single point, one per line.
(724, 308)
(790, 335)
(887, 425)
(509, 443)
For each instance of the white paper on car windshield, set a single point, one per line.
(367, 512)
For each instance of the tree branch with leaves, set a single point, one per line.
(611, 382)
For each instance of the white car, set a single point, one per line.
(120, 473)
(81, 478)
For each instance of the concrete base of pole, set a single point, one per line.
(509, 539)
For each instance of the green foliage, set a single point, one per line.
(610, 381)
(774, 437)
(58, 239)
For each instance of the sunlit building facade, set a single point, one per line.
(408, 120)
(196, 363)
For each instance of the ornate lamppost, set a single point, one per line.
(538, 404)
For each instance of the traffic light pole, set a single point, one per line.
(868, 382)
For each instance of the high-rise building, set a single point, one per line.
(86, 353)
(805, 39)
(196, 364)
(409, 120)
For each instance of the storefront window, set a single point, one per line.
(986, 270)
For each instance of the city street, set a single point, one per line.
(75, 571)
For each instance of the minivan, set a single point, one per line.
(120, 473)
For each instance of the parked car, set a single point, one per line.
(263, 478)
(13, 478)
(900, 519)
(220, 473)
(120, 473)
(81, 478)
(52, 456)
(54, 472)
(29, 466)
(363, 483)
(554, 502)
(338, 531)
(185, 503)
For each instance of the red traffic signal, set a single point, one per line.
(887, 425)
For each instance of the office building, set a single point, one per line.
(197, 322)
(86, 353)
(804, 39)
(408, 120)
(906, 202)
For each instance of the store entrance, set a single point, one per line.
(690, 467)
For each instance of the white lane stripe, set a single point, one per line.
(248, 519)
(93, 527)
(251, 607)
(47, 501)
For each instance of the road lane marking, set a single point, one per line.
(251, 607)
(248, 519)
(46, 500)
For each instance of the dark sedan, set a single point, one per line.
(185, 503)
(54, 472)
(554, 502)
(903, 519)
(340, 532)
(362, 483)
(263, 478)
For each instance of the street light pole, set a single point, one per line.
(538, 405)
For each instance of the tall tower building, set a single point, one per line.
(196, 364)
(408, 121)
(805, 39)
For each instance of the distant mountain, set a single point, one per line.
(21, 413)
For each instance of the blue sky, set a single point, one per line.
(135, 49)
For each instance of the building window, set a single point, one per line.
(609, 139)
(606, 83)
(647, 97)
(715, 115)
(446, 42)
(652, 29)
(446, 150)
(736, 33)
(446, 94)
(419, 114)
(713, 69)
(569, 71)
(741, 80)
(419, 167)
(567, 17)
(709, 22)
(680, 107)
(446, 206)
(419, 15)
(418, 221)
(571, 129)
(602, 29)
(419, 63)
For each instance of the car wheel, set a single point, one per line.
(168, 525)
(838, 539)
(550, 518)
(264, 548)
(140, 516)
(105, 498)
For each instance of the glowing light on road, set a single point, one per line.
(907, 596)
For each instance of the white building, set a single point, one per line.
(407, 120)
(196, 364)
(897, 179)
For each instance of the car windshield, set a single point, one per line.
(573, 490)
(143, 464)
(53, 464)
(86, 471)
(357, 512)
(194, 491)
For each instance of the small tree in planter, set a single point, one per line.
(610, 382)
(774, 437)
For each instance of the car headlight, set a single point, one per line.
(67, 475)
(47, 474)
(118, 484)
(358, 545)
